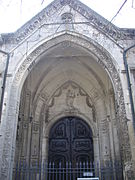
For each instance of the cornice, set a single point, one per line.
(93, 19)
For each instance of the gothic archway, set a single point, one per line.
(102, 58)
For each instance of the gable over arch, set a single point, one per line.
(93, 18)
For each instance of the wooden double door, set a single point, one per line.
(70, 140)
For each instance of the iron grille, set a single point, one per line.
(52, 171)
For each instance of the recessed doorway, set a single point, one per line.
(70, 140)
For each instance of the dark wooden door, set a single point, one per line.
(70, 140)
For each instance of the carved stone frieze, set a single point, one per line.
(96, 20)
(33, 24)
(92, 17)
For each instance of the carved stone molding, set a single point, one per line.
(92, 17)
(97, 21)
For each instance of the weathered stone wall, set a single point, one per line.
(86, 41)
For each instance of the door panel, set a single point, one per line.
(70, 140)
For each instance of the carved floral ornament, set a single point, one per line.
(67, 17)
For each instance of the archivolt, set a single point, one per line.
(103, 58)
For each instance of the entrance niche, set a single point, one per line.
(70, 140)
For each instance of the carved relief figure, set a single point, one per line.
(70, 96)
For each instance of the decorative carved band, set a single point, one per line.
(93, 18)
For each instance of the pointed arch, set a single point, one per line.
(101, 56)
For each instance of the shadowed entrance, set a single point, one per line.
(70, 140)
(70, 145)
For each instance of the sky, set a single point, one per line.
(15, 13)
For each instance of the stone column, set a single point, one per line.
(45, 149)
(96, 149)
(9, 135)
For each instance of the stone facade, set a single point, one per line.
(67, 61)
